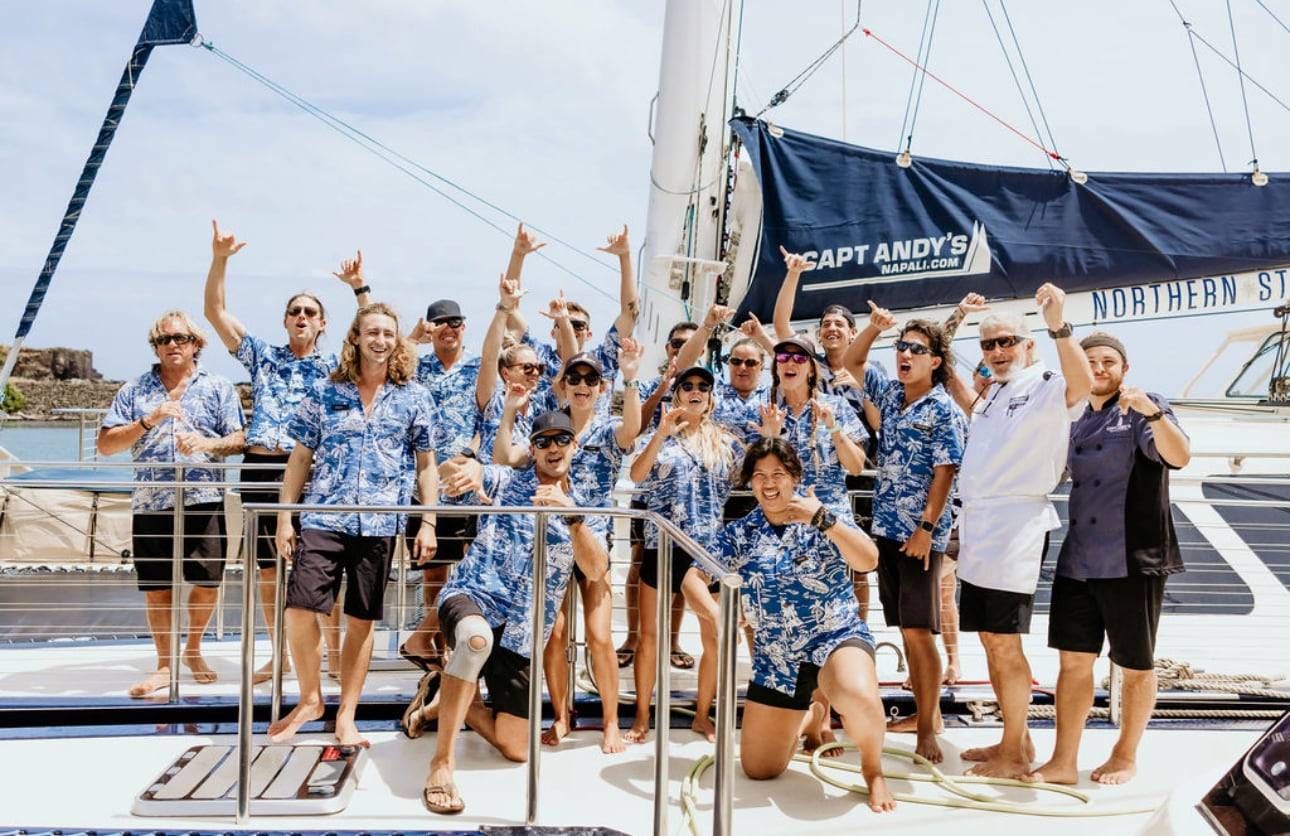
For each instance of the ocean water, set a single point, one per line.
(48, 442)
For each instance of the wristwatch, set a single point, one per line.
(573, 519)
(1153, 418)
(928, 526)
(1061, 333)
(468, 453)
(359, 291)
(824, 519)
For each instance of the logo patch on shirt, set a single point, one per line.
(1016, 403)
(339, 407)
(926, 428)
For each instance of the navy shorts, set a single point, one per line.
(506, 673)
(1124, 610)
(808, 676)
(983, 610)
(910, 595)
(154, 545)
(323, 558)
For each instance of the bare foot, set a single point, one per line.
(986, 753)
(952, 674)
(553, 735)
(1116, 770)
(880, 800)
(910, 724)
(1053, 773)
(703, 725)
(286, 727)
(822, 739)
(202, 672)
(265, 673)
(638, 732)
(347, 734)
(612, 743)
(928, 748)
(155, 681)
(1001, 768)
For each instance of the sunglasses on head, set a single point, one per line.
(302, 309)
(451, 321)
(1002, 342)
(529, 368)
(178, 339)
(791, 357)
(750, 362)
(691, 385)
(578, 324)
(912, 348)
(542, 442)
(576, 378)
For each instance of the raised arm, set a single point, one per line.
(525, 243)
(226, 325)
(971, 303)
(689, 354)
(660, 391)
(752, 327)
(783, 317)
(644, 462)
(508, 300)
(857, 354)
(505, 450)
(860, 552)
(1051, 300)
(629, 361)
(566, 342)
(628, 307)
(351, 274)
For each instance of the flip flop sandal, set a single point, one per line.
(682, 660)
(625, 657)
(450, 809)
(412, 724)
(425, 663)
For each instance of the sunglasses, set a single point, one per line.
(751, 362)
(578, 324)
(575, 378)
(1002, 342)
(302, 309)
(677, 343)
(691, 385)
(791, 357)
(177, 339)
(542, 442)
(451, 322)
(529, 368)
(913, 348)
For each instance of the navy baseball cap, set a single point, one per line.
(555, 420)
(443, 309)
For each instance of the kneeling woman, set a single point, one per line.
(793, 556)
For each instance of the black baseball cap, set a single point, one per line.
(555, 420)
(696, 371)
(443, 309)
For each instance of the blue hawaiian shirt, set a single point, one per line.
(539, 401)
(454, 397)
(598, 461)
(820, 465)
(796, 595)
(212, 409)
(606, 353)
(497, 571)
(279, 381)
(681, 489)
(914, 441)
(358, 459)
(734, 412)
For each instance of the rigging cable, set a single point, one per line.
(1273, 14)
(1204, 90)
(1229, 61)
(1034, 91)
(908, 138)
(405, 164)
(802, 77)
(1245, 103)
(965, 97)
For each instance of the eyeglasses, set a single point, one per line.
(451, 321)
(750, 362)
(691, 385)
(1002, 342)
(914, 348)
(576, 378)
(177, 339)
(529, 368)
(578, 324)
(542, 442)
(677, 343)
(302, 309)
(791, 357)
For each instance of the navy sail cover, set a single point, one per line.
(928, 234)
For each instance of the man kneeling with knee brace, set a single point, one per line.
(485, 608)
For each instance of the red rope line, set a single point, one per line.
(869, 33)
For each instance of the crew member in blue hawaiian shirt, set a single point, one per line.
(356, 429)
(793, 554)
(919, 451)
(486, 607)
(685, 469)
(177, 412)
(280, 377)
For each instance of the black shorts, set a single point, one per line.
(453, 532)
(910, 595)
(580, 576)
(1124, 610)
(681, 563)
(862, 505)
(983, 610)
(808, 675)
(506, 673)
(737, 507)
(266, 526)
(323, 558)
(637, 525)
(154, 546)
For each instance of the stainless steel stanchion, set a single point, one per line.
(246, 696)
(723, 796)
(537, 624)
(176, 582)
(663, 703)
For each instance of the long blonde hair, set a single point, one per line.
(402, 366)
(710, 442)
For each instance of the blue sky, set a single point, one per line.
(541, 108)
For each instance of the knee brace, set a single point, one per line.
(473, 642)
